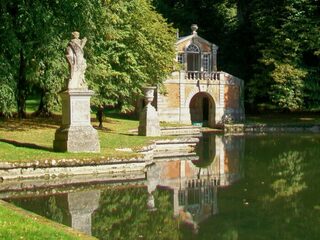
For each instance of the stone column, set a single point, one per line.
(214, 58)
(149, 121)
(76, 133)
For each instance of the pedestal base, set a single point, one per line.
(76, 133)
(149, 122)
(76, 139)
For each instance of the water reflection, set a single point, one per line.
(78, 207)
(195, 183)
(134, 208)
(276, 197)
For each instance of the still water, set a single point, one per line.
(241, 187)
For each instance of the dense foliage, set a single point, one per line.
(273, 45)
(129, 45)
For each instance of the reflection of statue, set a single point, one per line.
(77, 63)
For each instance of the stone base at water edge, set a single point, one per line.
(76, 133)
(76, 139)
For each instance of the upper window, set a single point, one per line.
(192, 48)
(180, 58)
(206, 62)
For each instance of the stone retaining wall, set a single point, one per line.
(184, 130)
(266, 128)
(72, 167)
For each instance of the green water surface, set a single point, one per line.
(274, 193)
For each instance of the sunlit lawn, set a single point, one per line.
(32, 139)
(16, 223)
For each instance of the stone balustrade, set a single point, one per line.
(198, 75)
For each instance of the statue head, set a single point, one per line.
(75, 34)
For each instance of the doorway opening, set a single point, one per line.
(202, 110)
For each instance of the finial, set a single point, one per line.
(194, 28)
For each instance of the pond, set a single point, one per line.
(241, 187)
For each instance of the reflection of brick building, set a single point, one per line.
(199, 93)
(194, 187)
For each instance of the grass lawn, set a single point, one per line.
(16, 223)
(32, 139)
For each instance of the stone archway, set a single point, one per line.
(202, 109)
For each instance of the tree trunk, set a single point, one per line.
(43, 110)
(22, 87)
(100, 116)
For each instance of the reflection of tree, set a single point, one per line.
(279, 196)
(288, 170)
(123, 214)
(43, 205)
(54, 212)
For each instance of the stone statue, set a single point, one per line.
(77, 63)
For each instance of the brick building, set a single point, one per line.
(199, 93)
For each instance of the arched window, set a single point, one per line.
(193, 58)
(192, 48)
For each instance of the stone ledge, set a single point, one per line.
(42, 186)
(70, 162)
(178, 131)
(51, 172)
(270, 128)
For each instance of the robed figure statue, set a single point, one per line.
(77, 63)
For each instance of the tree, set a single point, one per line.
(29, 31)
(130, 45)
(284, 32)
(135, 47)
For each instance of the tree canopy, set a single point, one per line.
(273, 45)
(129, 45)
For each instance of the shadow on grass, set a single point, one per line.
(117, 115)
(14, 124)
(129, 134)
(102, 129)
(26, 145)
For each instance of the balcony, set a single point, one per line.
(198, 75)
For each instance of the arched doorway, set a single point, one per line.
(202, 110)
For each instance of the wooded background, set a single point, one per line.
(273, 45)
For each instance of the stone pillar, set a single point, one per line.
(149, 121)
(182, 93)
(214, 58)
(76, 133)
(220, 107)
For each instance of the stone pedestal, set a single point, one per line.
(149, 121)
(76, 133)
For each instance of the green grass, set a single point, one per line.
(32, 105)
(16, 223)
(32, 139)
